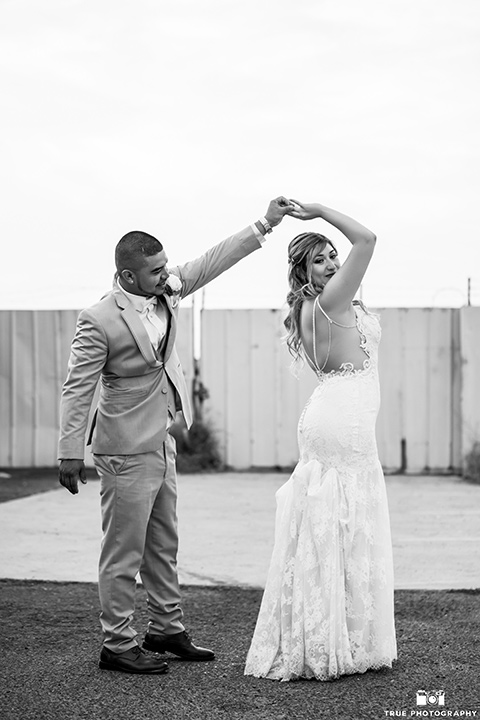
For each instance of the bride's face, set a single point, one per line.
(325, 264)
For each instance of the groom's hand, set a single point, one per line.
(277, 210)
(70, 472)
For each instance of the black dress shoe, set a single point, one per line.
(178, 644)
(132, 661)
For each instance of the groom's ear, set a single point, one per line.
(128, 276)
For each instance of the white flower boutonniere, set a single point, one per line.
(173, 288)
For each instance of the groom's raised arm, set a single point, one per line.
(197, 273)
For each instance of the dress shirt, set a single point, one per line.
(155, 323)
(152, 315)
(261, 238)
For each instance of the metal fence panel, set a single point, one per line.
(255, 400)
(470, 390)
(34, 351)
(429, 360)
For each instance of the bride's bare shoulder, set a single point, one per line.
(307, 304)
(306, 315)
(307, 308)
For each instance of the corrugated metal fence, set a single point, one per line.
(429, 362)
(34, 351)
(430, 390)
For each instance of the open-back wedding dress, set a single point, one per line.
(327, 609)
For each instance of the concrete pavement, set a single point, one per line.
(226, 524)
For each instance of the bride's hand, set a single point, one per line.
(303, 211)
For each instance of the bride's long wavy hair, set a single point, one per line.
(301, 252)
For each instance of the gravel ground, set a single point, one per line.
(16, 483)
(51, 642)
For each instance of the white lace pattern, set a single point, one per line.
(327, 609)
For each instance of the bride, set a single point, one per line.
(327, 609)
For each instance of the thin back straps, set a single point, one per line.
(330, 322)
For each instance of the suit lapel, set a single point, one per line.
(135, 325)
(171, 330)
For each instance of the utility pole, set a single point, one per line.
(469, 292)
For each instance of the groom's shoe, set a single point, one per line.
(132, 661)
(178, 644)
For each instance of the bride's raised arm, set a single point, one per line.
(340, 290)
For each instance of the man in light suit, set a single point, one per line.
(127, 340)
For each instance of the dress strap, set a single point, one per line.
(317, 302)
(330, 322)
(362, 306)
(314, 336)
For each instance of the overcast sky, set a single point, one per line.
(185, 117)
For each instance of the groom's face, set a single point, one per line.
(150, 277)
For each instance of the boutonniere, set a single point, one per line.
(173, 288)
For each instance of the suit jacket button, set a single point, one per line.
(164, 391)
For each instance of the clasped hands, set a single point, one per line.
(281, 206)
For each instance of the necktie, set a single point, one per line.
(156, 326)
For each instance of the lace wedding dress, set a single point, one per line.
(327, 609)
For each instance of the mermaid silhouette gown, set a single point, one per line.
(327, 609)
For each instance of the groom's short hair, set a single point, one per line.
(133, 247)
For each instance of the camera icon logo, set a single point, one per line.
(433, 698)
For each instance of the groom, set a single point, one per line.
(127, 340)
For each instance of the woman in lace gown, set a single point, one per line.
(327, 609)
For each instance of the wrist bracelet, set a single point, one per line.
(266, 224)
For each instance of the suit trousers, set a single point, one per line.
(139, 524)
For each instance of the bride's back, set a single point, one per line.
(344, 345)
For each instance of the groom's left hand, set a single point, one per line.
(277, 210)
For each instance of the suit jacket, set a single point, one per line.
(111, 344)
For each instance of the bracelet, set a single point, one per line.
(268, 228)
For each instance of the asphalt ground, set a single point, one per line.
(51, 636)
(226, 527)
(51, 643)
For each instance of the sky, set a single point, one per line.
(184, 118)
